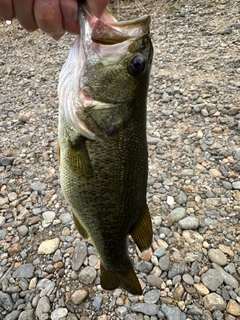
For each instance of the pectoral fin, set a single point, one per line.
(80, 228)
(142, 232)
(78, 157)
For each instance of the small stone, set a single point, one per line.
(144, 266)
(121, 312)
(215, 173)
(171, 312)
(3, 201)
(159, 252)
(87, 275)
(48, 246)
(233, 307)
(38, 186)
(212, 279)
(59, 313)
(79, 255)
(164, 262)
(15, 248)
(43, 306)
(236, 185)
(189, 223)
(26, 315)
(79, 296)
(154, 281)
(201, 289)
(152, 296)
(214, 301)
(178, 293)
(227, 278)
(149, 309)
(14, 315)
(226, 250)
(23, 230)
(6, 301)
(24, 271)
(188, 279)
(12, 196)
(178, 214)
(217, 256)
(97, 302)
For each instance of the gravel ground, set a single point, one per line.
(192, 270)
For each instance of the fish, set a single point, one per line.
(102, 145)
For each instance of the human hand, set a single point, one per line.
(54, 17)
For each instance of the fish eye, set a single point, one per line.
(137, 64)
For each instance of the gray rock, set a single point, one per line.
(2, 221)
(217, 256)
(164, 262)
(26, 315)
(152, 296)
(153, 140)
(189, 223)
(227, 278)
(6, 301)
(227, 185)
(236, 154)
(6, 161)
(145, 308)
(154, 281)
(188, 279)
(159, 252)
(236, 185)
(59, 313)
(79, 255)
(212, 279)
(87, 275)
(65, 218)
(165, 97)
(43, 306)
(132, 316)
(3, 234)
(144, 266)
(176, 269)
(23, 230)
(13, 315)
(181, 198)
(121, 312)
(24, 271)
(38, 186)
(178, 214)
(98, 301)
(171, 312)
(218, 315)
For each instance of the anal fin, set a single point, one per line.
(127, 279)
(142, 232)
(80, 228)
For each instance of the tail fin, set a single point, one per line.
(128, 280)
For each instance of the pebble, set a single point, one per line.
(24, 271)
(214, 301)
(217, 256)
(189, 223)
(178, 214)
(149, 309)
(152, 296)
(48, 246)
(87, 275)
(59, 313)
(171, 312)
(6, 301)
(212, 279)
(233, 307)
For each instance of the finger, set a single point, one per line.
(6, 9)
(69, 9)
(24, 14)
(97, 7)
(48, 17)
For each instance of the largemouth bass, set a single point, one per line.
(102, 149)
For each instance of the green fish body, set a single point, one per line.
(102, 140)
